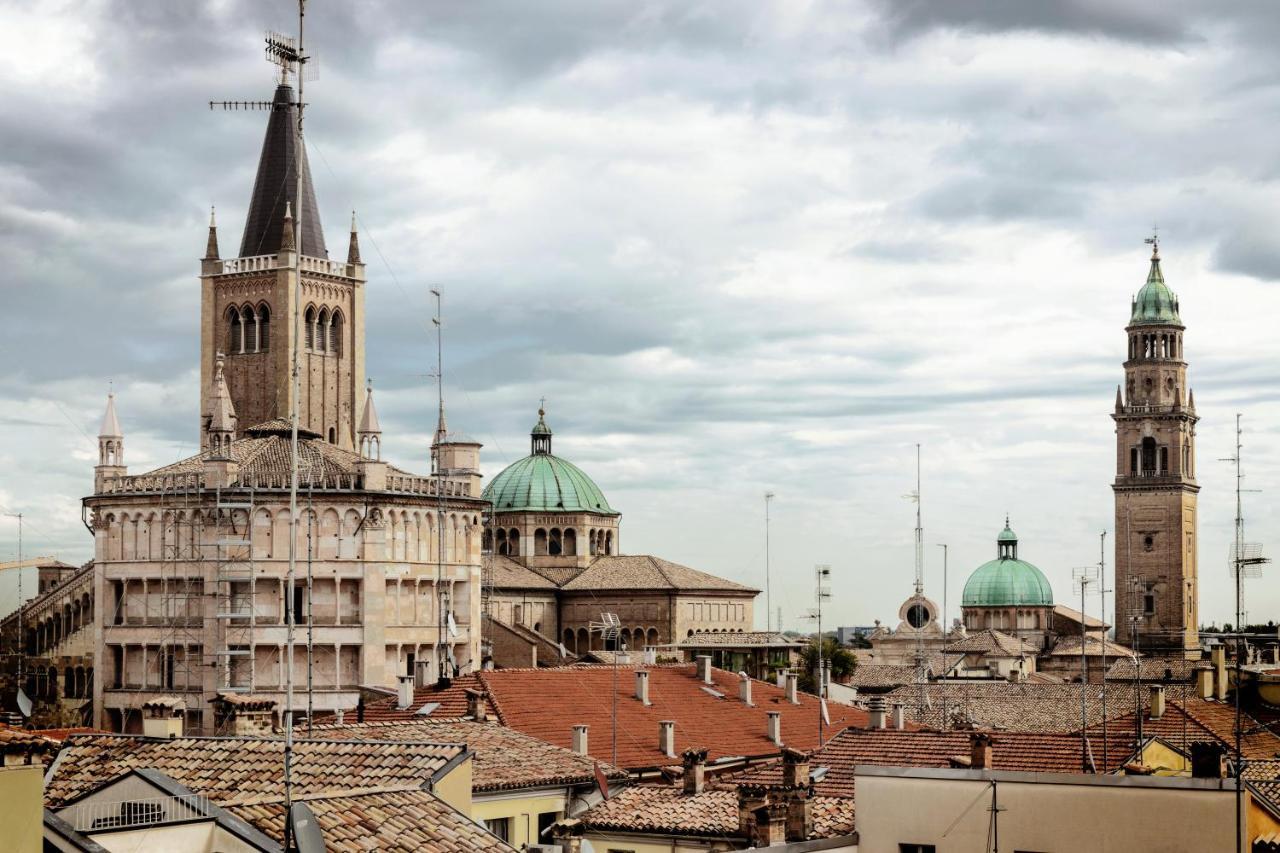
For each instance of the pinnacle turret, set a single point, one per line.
(211, 247)
(353, 248)
(370, 432)
(222, 415)
(286, 232)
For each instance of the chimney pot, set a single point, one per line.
(1204, 683)
(792, 687)
(695, 770)
(899, 716)
(775, 727)
(704, 668)
(795, 767)
(1157, 701)
(580, 739)
(744, 688)
(667, 737)
(340, 714)
(875, 713)
(476, 709)
(406, 692)
(981, 755)
(642, 686)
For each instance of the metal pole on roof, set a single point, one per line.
(1102, 603)
(768, 600)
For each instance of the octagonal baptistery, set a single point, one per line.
(1008, 594)
(547, 513)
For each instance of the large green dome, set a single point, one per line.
(544, 482)
(1007, 581)
(1155, 304)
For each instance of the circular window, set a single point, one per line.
(918, 616)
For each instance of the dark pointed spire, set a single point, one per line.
(211, 247)
(276, 185)
(1119, 399)
(353, 248)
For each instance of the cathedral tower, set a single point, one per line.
(1155, 488)
(247, 302)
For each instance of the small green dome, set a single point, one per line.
(1155, 304)
(1007, 581)
(545, 482)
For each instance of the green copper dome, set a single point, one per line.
(544, 482)
(1007, 581)
(1155, 304)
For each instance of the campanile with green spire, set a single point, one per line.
(1156, 588)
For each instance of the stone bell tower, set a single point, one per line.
(247, 303)
(1156, 588)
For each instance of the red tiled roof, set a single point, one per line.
(547, 703)
(504, 758)
(452, 701)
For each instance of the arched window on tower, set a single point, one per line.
(513, 542)
(322, 331)
(250, 320)
(569, 542)
(264, 328)
(335, 334)
(1148, 455)
(309, 321)
(234, 336)
(540, 542)
(553, 542)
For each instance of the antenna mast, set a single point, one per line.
(441, 626)
(919, 531)
(768, 600)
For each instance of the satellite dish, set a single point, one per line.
(24, 704)
(306, 831)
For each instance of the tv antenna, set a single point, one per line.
(914, 496)
(1244, 559)
(768, 599)
(821, 592)
(1082, 577)
(608, 629)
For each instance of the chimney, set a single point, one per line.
(162, 717)
(240, 715)
(981, 755)
(782, 679)
(476, 706)
(744, 688)
(667, 737)
(695, 770)
(704, 668)
(1208, 760)
(775, 727)
(899, 716)
(406, 692)
(580, 739)
(642, 686)
(1204, 683)
(1157, 701)
(761, 819)
(650, 657)
(339, 714)
(875, 713)
(792, 684)
(795, 767)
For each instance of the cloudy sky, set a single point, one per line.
(738, 246)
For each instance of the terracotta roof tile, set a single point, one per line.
(547, 703)
(408, 819)
(1179, 669)
(1069, 646)
(742, 639)
(641, 571)
(504, 758)
(1002, 705)
(992, 642)
(231, 770)
(452, 702)
(509, 574)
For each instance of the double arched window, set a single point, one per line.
(324, 330)
(248, 329)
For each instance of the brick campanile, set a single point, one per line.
(247, 302)
(1156, 588)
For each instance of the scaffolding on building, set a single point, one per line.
(234, 588)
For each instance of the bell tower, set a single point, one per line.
(1156, 588)
(247, 303)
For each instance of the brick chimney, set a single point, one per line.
(762, 819)
(981, 753)
(580, 739)
(241, 715)
(1208, 760)
(695, 770)
(744, 688)
(642, 686)
(1157, 701)
(795, 767)
(704, 668)
(792, 687)
(476, 706)
(667, 737)
(162, 717)
(774, 727)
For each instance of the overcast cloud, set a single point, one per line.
(738, 247)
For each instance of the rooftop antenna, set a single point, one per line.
(821, 592)
(1083, 576)
(24, 701)
(915, 496)
(442, 601)
(1102, 609)
(607, 628)
(768, 600)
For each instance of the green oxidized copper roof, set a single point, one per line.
(1155, 303)
(541, 428)
(1006, 580)
(545, 482)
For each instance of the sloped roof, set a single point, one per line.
(1177, 668)
(547, 703)
(504, 758)
(509, 574)
(451, 703)
(238, 769)
(989, 641)
(1002, 705)
(641, 571)
(741, 639)
(1069, 646)
(387, 819)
